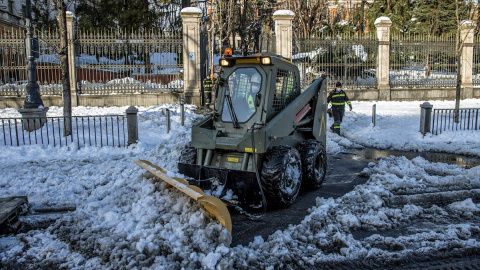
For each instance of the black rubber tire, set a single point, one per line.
(281, 175)
(188, 155)
(314, 163)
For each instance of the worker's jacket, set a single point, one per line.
(338, 98)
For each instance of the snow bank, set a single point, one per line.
(123, 219)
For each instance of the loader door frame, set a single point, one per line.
(255, 116)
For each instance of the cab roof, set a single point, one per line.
(269, 60)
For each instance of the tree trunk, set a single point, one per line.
(67, 97)
(459, 83)
(458, 57)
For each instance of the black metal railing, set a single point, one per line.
(422, 61)
(444, 119)
(105, 130)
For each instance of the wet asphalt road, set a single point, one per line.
(343, 174)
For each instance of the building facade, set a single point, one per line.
(12, 14)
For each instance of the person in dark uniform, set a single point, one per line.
(338, 98)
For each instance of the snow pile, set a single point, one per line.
(125, 220)
(397, 128)
(121, 217)
(327, 234)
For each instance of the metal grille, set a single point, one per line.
(422, 61)
(286, 89)
(350, 59)
(13, 62)
(86, 131)
(444, 119)
(138, 62)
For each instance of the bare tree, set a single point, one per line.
(309, 15)
(243, 19)
(226, 20)
(63, 54)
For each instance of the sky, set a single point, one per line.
(123, 219)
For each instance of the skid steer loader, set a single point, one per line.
(262, 142)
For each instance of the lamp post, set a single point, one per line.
(33, 112)
(32, 97)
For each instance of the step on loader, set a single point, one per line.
(264, 139)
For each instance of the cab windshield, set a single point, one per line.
(242, 87)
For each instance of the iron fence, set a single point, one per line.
(13, 62)
(267, 42)
(422, 61)
(135, 62)
(350, 59)
(109, 130)
(109, 61)
(444, 119)
(106, 62)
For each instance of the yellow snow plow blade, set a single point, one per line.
(212, 204)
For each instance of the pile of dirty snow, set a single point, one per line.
(123, 219)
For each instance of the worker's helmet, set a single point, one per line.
(255, 78)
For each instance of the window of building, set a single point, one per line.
(10, 7)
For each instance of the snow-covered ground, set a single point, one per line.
(123, 220)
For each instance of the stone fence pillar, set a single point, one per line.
(383, 59)
(191, 17)
(467, 27)
(283, 32)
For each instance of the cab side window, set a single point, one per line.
(286, 89)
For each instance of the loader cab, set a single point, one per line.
(252, 90)
(241, 93)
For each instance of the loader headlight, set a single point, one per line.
(225, 63)
(266, 61)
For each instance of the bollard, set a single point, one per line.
(425, 117)
(168, 120)
(182, 111)
(374, 114)
(132, 125)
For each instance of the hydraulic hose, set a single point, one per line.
(264, 201)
